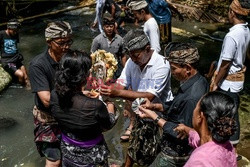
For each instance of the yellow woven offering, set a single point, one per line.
(104, 65)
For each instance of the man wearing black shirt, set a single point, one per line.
(183, 60)
(42, 71)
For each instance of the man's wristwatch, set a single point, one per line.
(157, 120)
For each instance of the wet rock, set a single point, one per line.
(5, 78)
(6, 122)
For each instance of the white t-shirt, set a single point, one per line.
(151, 29)
(154, 78)
(234, 49)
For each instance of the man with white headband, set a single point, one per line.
(230, 73)
(141, 12)
(41, 71)
(11, 59)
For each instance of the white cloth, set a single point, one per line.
(154, 78)
(234, 49)
(99, 10)
(151, 29)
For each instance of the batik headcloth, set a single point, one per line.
(236, 7)
(185, 56)
(58, 29)
(137, 4)
(134, 40)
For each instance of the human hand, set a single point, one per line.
(91, 94)
(146, 104)
(107, 91)
(182, 131)
(146, 113)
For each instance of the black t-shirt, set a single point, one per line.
(42, 73)
(108, 7)
(85, 119)
(8, 45)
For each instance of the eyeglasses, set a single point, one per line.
(64, 43)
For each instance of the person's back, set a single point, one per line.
(229, 76)
(213, 124)
(213, 154)
(82, 119)
(85, 116)
(240, 36)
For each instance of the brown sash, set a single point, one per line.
(238, 76)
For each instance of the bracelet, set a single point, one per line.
(157, 120)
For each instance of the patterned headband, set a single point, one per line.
(236, 7)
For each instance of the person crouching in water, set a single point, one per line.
(11, 59)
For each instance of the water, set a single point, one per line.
(16, 142)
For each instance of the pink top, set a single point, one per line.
(210, 154)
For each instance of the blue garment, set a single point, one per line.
(160, 11)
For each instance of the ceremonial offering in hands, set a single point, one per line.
(104, 66)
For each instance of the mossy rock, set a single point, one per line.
(5, 79)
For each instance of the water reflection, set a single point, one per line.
(16, 142)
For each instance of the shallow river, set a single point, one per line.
(16, 142)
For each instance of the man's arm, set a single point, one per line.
(44, 97)
(117, 90)
(113, 10)
(95, 45)
(223, 71)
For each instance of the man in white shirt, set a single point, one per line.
(148, 75)
(230, 73)
(150, 27)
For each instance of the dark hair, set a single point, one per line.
(108, 21)
(146, 9)
(72, 74)
(219, 110)
(176, 46)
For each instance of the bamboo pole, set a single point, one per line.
(50, 13)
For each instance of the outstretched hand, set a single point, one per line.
(106, 90)
(146, 103)
(146, 113)
(182, 131)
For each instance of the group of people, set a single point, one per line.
(194, 127)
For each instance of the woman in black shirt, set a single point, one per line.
(82, 119)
